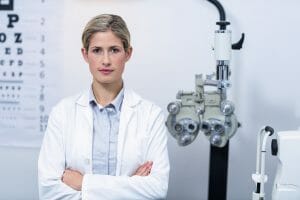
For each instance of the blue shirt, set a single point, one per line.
(105, 134)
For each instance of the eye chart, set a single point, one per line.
(30, 68)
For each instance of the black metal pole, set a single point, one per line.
(218, 169)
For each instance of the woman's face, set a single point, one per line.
(106, 57)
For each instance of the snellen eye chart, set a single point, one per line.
(31, 60)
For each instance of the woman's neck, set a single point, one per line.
(106, 93)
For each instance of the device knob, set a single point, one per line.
(274, 147)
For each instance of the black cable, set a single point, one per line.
(270, 130)
(220, 9)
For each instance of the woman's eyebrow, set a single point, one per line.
(114, 46)
(93, 47)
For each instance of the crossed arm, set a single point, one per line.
(56, 182)
(73, 178)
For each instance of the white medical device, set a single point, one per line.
(287, 181)
(260, 178)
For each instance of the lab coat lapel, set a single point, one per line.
(127, 112)
(84, 123)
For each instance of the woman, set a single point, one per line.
(106, 142)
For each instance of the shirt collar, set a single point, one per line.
(116, 103)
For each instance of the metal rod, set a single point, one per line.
(218, 168)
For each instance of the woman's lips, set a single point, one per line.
(106, 71)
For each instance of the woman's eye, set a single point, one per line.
(115, 50)
(96, 50)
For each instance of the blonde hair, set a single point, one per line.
(103, 23)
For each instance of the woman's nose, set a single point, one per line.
(106, 59)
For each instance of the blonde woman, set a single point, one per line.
(106, 142)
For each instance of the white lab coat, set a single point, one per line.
(68, 144)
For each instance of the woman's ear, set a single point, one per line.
(128, 53)
(84, 54)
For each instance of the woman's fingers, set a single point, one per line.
(144, 169)
(141, 169)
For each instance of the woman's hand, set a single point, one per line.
(144, 169)
(73, 179)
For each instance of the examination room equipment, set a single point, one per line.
(208, 110)
(287, 179)
(260, 178)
